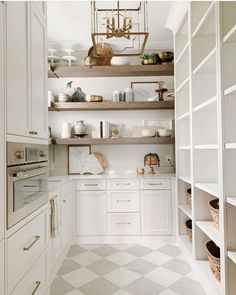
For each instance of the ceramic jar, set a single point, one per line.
(79, 127)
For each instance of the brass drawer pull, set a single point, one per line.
(91, 184)
(159, 183)
(123, 223)
(31, 245)
(33, 132)
(123, 201)
(127, 183)
(36, 288)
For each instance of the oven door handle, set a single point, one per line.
(29, 173)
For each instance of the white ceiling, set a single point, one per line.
(69, 25)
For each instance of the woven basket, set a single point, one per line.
(189, 197)
(214, 208)
(188, 226)
(213, 253)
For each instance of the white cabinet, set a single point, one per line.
(123, 201)
(91, 212)
(26, 71)
(91, 184)
(2, 122)
(2, 267)
(66, 208)
(124, 223)
(156, 212)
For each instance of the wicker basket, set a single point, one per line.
(213, 253)
(189, 197)
(214, 208)
(188, 226)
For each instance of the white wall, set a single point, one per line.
(120, 156)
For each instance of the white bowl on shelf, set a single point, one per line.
(147, 133)
(120, 61)
(164, 132)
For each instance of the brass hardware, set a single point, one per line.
(123, 223)
(127, 183)
(36, 288)
(33, 132)
(123, 201)
(19, 154)
(159, 183)
(31, 245)
(90, 184)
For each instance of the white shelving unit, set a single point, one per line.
(205, 133)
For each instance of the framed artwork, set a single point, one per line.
(144, 90)
(77, 158)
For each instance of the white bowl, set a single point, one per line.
(164, 132)
(147, 133)
(119, 61)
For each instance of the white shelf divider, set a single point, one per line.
(230, 145)
(184, 116)
(205, 104)
(184, 148)
(208, 228)
(231, 35)
(231, 200)
(187, 210)
(182, 53)
(232, 255)
(208, 62)
(230, 90)
(182, 84)
(203, 20)
(206, 146)
(209, 187)
(186, 179)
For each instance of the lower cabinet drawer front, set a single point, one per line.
(124, 223)
(123, 201)
(24, 246)
(34, 282)
(90, 184)
(125, 184)
(155, 183)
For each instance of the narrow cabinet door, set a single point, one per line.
(17, 58)
(38, 47)
(2, 122)
(66, 219)
(91, 212)
(156, 212)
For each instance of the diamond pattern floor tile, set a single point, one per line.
(125, 269)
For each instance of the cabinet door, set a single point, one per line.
(39, 111)
(17, 24)
(2, 122)
(66, 219)
(2, 267)
(91, 213)
(156, 212)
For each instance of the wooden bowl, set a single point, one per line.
(166, 56)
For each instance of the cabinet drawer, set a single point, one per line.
(118, 184)
(155, 183)
(24, 246)
(124, 223)
(123, 201)
(91, 184)
(34, 282)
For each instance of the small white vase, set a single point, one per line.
(66, 130)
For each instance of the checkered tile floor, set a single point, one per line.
(124, 270)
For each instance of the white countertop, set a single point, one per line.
(56, 182)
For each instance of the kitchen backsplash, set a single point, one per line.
(119, 156)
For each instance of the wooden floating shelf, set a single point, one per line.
(109, 105)
(120, 140)
(113, 71)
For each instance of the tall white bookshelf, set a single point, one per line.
(205, 83)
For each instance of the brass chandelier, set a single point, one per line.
(124, 29)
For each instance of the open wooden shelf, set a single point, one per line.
(113, 71)
(120, 140)
(110, 105)
(208, 228)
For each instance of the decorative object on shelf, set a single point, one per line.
(80, 135)
(91, 60)
(68, 57)
(77, 156)
(166, 56)
(149, 59)
(161, 90)
(66, 130)
(148, 133)
(103, 53)
(69, 90)
(104, 131)
(52, 58)
(151, 159)
(117, 22)
(93, 98)
(188, 227)
(62, 97)
(214, 208)
(101, 159)
(128, 94)
(159, 123)
(189, 197)
(78, 95)
(143, 91)
(120, 61)
(51, 98)
(213, 253)
(140, 171)
(171, 94)
(164, 132)
(116, 95)
(79, 127)
(115, 130)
